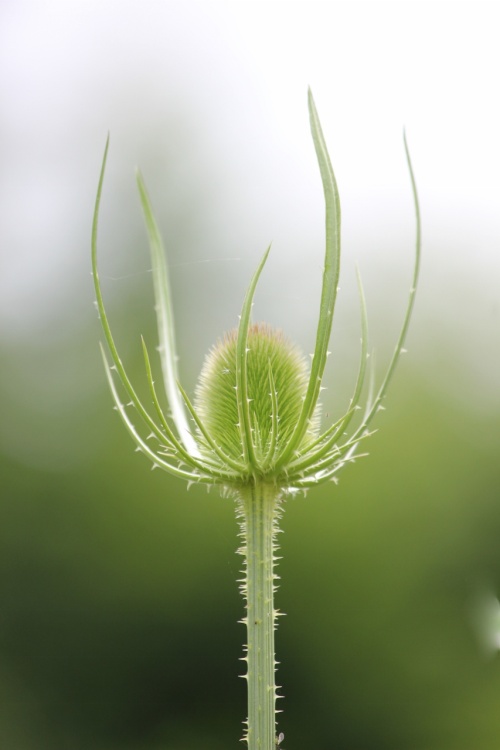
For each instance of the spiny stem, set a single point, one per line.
(259, 509)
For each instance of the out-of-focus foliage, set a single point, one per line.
(119, 603)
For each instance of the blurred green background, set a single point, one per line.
(118, 595)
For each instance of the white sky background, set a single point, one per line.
(236, 74)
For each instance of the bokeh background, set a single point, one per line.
(118, 600)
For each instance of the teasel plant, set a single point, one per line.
(253, 428)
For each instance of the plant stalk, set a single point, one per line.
(259, 509)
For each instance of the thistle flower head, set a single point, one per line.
(255, 416)
(277, 375)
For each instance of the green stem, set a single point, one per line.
(259, 509)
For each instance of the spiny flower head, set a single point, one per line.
(256, 415)
(277, 376)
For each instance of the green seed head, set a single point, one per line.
(272, 362)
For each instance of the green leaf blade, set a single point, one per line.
(165, 322)
(331, 273)
(242, 371)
